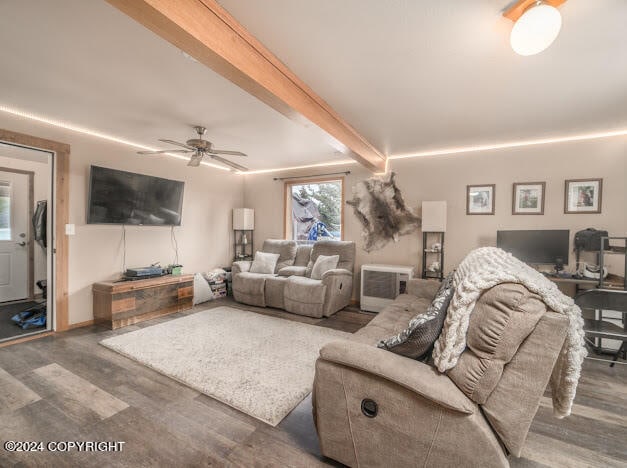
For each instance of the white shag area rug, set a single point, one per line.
(263, 366)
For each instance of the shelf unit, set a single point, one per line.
(430, 255)
(601, 328)
(242, 250)
(609, 294)
(611, 281)
(616, 250)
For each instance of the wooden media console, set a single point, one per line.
(118, 304)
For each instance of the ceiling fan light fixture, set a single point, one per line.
(200, 148)
(536, 29)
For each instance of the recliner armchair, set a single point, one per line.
(376, 408)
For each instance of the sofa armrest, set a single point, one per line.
(413, 375)
(423, 288)
(336, 272)
(240, 267)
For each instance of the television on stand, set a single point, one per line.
(120, 197)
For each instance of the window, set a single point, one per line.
(314, 210)
(5, 210)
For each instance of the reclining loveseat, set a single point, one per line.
(291, 286)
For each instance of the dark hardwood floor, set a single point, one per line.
(69, 388)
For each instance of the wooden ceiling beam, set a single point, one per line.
(207, 32)
(516, 10)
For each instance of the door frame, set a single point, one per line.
(30, 275)
(60, 217)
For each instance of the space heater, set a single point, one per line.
(381, 284)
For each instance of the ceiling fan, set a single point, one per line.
(199, 149)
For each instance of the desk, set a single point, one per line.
(610, 282)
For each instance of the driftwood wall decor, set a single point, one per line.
(380, 208)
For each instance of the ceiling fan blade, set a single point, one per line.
(176, 143)
(163, 151)
(195, 160)
(229, 163)
(232, 153)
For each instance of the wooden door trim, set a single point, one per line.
(24, 339)
(61, 215)
(31, 247)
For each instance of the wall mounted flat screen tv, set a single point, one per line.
(120, 197)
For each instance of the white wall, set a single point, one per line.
(204, 238)
(446, 177)
(210, 195)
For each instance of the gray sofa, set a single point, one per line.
(291, 287)
(376, 408)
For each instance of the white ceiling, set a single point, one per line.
(87, 63)
(413, 75)
(410, 75)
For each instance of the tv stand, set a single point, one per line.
(118, 304)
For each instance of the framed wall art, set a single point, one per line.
(583, 195)
(480, 199)
(528, 198)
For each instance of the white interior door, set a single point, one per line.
(14, 236)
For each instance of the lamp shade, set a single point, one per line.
(244, 219)
(434, 216)
(536, 29)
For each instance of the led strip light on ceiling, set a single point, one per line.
(94, 133)
(340, 162)
(418, 154)
(512, 144)
(461, 149)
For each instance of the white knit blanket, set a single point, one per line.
(486, 267)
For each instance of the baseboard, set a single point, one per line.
(86, 323)
(25, 339)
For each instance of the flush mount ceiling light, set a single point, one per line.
(536, 25)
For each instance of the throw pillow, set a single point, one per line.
(324, 263)
(264, 262)
(202, 290)
(417, 340)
